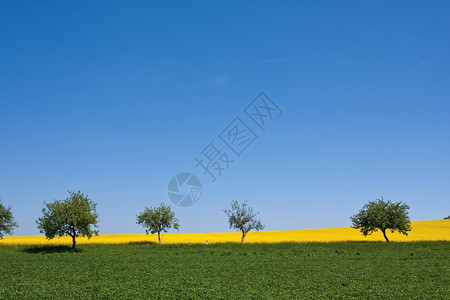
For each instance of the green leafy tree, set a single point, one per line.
(158, 219)
(382, 215)
(75, 216)
(242, 218)
(7, 223)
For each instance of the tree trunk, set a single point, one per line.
(385, 236)
(74, 242)
(159, 238)
(242, 238)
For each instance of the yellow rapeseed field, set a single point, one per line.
(421, 231)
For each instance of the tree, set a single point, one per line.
(382, 215)
(158, 219)
(7, 222)
(75, 216)
(241, 217)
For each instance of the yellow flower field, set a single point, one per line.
(421, 231)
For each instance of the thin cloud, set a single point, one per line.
(278, 59)
(425, 61)
(219, 81)
(157, 77)
(137, 75)
(145, 75)
(355, 63)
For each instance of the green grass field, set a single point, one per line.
(419, 270)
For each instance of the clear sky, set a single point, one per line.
(114, 98)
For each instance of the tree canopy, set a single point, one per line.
(382, 215)
(242, 218)
(7, 222)
(158, 219)
(75, 216)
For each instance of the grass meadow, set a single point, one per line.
(336, 263)
(346, 270)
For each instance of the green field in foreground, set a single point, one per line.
(419, 270)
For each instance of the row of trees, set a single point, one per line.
(77, 216)
(160, 219)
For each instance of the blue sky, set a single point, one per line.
(115, 98)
